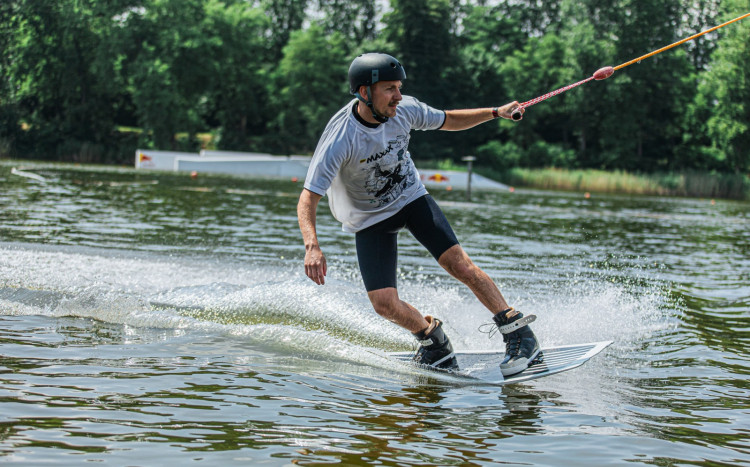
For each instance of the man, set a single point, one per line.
(363, 164)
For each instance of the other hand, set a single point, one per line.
(507, 110)
(315, 265)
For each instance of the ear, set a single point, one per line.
(362, 93)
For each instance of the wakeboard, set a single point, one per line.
(484, 366)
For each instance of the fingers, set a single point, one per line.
(316, 274)
(316, 270)
(515, 110)
(512, 111)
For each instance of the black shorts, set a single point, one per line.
(377, 245)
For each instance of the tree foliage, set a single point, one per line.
(726, 90)
(265, 75)
(310, 70)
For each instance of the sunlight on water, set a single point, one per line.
(283, 315)
(152, 315)
(290, 315)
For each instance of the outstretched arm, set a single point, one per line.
(456, 120)
(315, 261)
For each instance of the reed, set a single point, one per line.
(689, 183)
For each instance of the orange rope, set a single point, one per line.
(606, 72)
(680, 42)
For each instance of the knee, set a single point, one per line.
(462, 268)
(384, 303)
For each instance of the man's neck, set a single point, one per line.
(363, 114)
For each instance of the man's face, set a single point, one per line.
(385, 97)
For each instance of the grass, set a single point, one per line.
(207, 139)
(689, 183)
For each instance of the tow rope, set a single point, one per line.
(607, 71)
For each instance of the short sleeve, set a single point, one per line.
(421, 115)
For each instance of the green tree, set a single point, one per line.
(309, 85)
(285, 16)
(164, 81)
(196, 65)
(489, 36)
(699, 16)
(586, 109)
(355, 20)
(57, 71)
(725, 88)
(534, 17)
(172, 68)
(268, 74)
(539, 68)
(237, 64)
(649, 98)
(9, 121)
(423, 34)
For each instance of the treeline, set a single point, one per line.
(87, 80)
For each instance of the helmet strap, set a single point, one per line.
(368, 103)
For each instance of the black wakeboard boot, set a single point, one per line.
(435, 349)
(521, 345)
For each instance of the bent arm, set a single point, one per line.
(456, 120)
(315, 261)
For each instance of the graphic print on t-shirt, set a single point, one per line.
(389, 172)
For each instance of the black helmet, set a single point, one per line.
(368, 69)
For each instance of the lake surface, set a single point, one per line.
(155, 319)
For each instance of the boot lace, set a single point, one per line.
(513, 344)
(416, 349)
(489, 328)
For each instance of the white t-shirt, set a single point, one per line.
(367, 172)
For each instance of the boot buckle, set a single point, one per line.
(517, 324)
(426, 342)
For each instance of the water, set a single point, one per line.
(153, 319)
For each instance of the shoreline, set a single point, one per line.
(686, 184)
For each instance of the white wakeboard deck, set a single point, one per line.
(484, 366)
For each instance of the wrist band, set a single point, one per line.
(494, 112)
